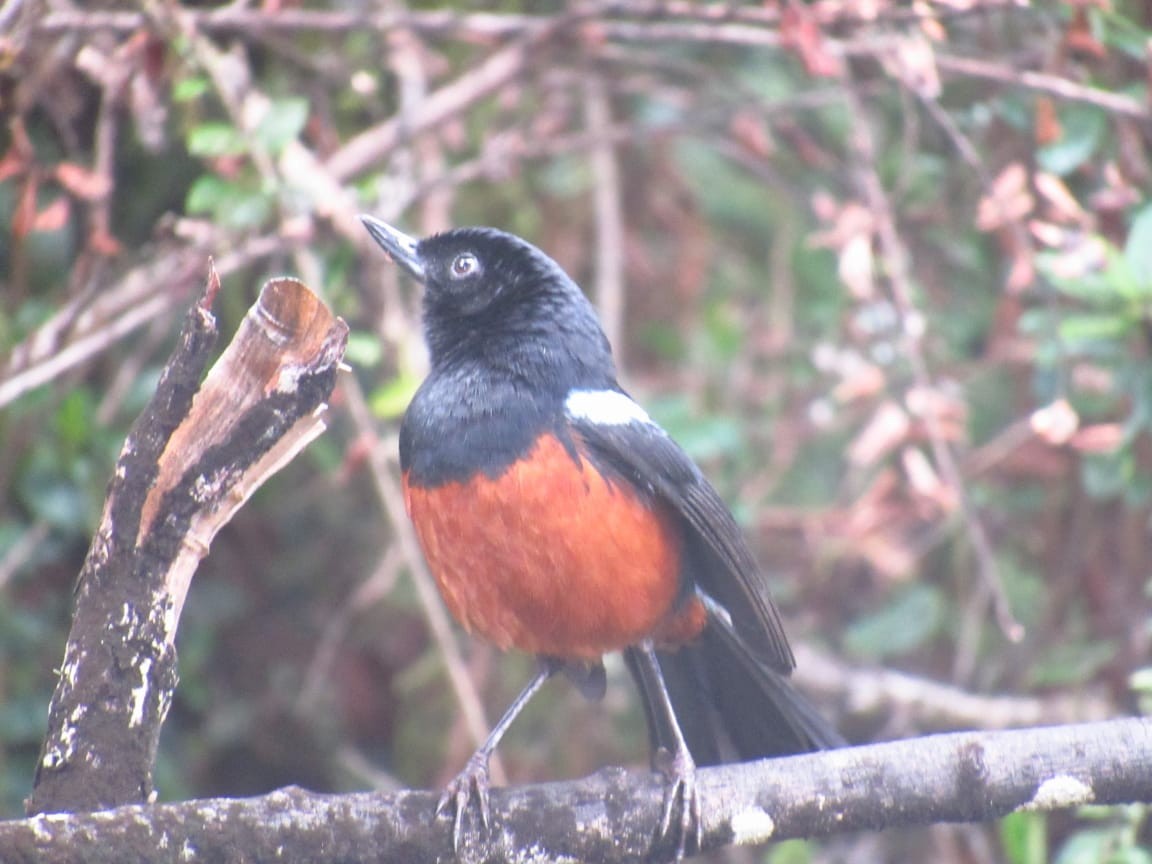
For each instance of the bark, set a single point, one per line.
(611, 816)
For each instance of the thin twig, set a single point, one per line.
(391, 497)
(239, 18)
(368, 593)
(21, 552)
(125, 306)
(606, 195)
(381, 461)
(369, 147)
(922, 705)
(1050, 85)
(899, 281)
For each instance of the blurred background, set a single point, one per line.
(883, 268)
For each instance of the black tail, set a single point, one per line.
(730, 705)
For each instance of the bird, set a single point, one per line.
(559, 519)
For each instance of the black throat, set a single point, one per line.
(498, 382)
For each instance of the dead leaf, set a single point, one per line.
(913, 62)
(1007, 201)
(1062, 204)
(861, 380)
(930, 25)
(856, 267)
(1055, 423)
(925, 482)
(886, 431)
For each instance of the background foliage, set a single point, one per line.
(884, 269)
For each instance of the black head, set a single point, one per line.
(467, 270)
(490, 294)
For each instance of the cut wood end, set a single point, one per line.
(288, 336)
(289, 312)
(212, 288)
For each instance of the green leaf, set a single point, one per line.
(912, 617)
(212, 139)
(1024, 837)
(1094, 328)
(391, 400)
(1083, 129)
(1092, 846)
(791, 852)
(1071, 663)
(1141, 680)
(56, 501)
(207, 193)
(1138, 248)
(189, 89)
(282, 124)
(703, 436)
(76, 418)
(1107, 475)
(363, 349)
(238, 205)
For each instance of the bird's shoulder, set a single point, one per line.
(623, 441)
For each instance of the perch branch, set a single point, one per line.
(612, 815)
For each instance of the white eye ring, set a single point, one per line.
(465, 264)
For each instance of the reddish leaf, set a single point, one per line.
(12, 163)
(1022, 273)
(1101, 438)
(84, 184)
(747, 128)
(103, 243)
(54, 216)
(800, 32)
(1048, 128)
(1078, 36)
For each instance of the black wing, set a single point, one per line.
(718, 559)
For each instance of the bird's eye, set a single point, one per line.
(465, 264)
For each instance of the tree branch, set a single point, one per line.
(192, 458)
(611, 816)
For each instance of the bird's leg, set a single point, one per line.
(677, 765)
(472, 783)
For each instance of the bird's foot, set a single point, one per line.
(683, 795)
(471, 784)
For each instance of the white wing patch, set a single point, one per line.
(604, 408)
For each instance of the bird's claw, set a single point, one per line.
(471, 784)
(683, 794)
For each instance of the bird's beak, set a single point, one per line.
(400, 247)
